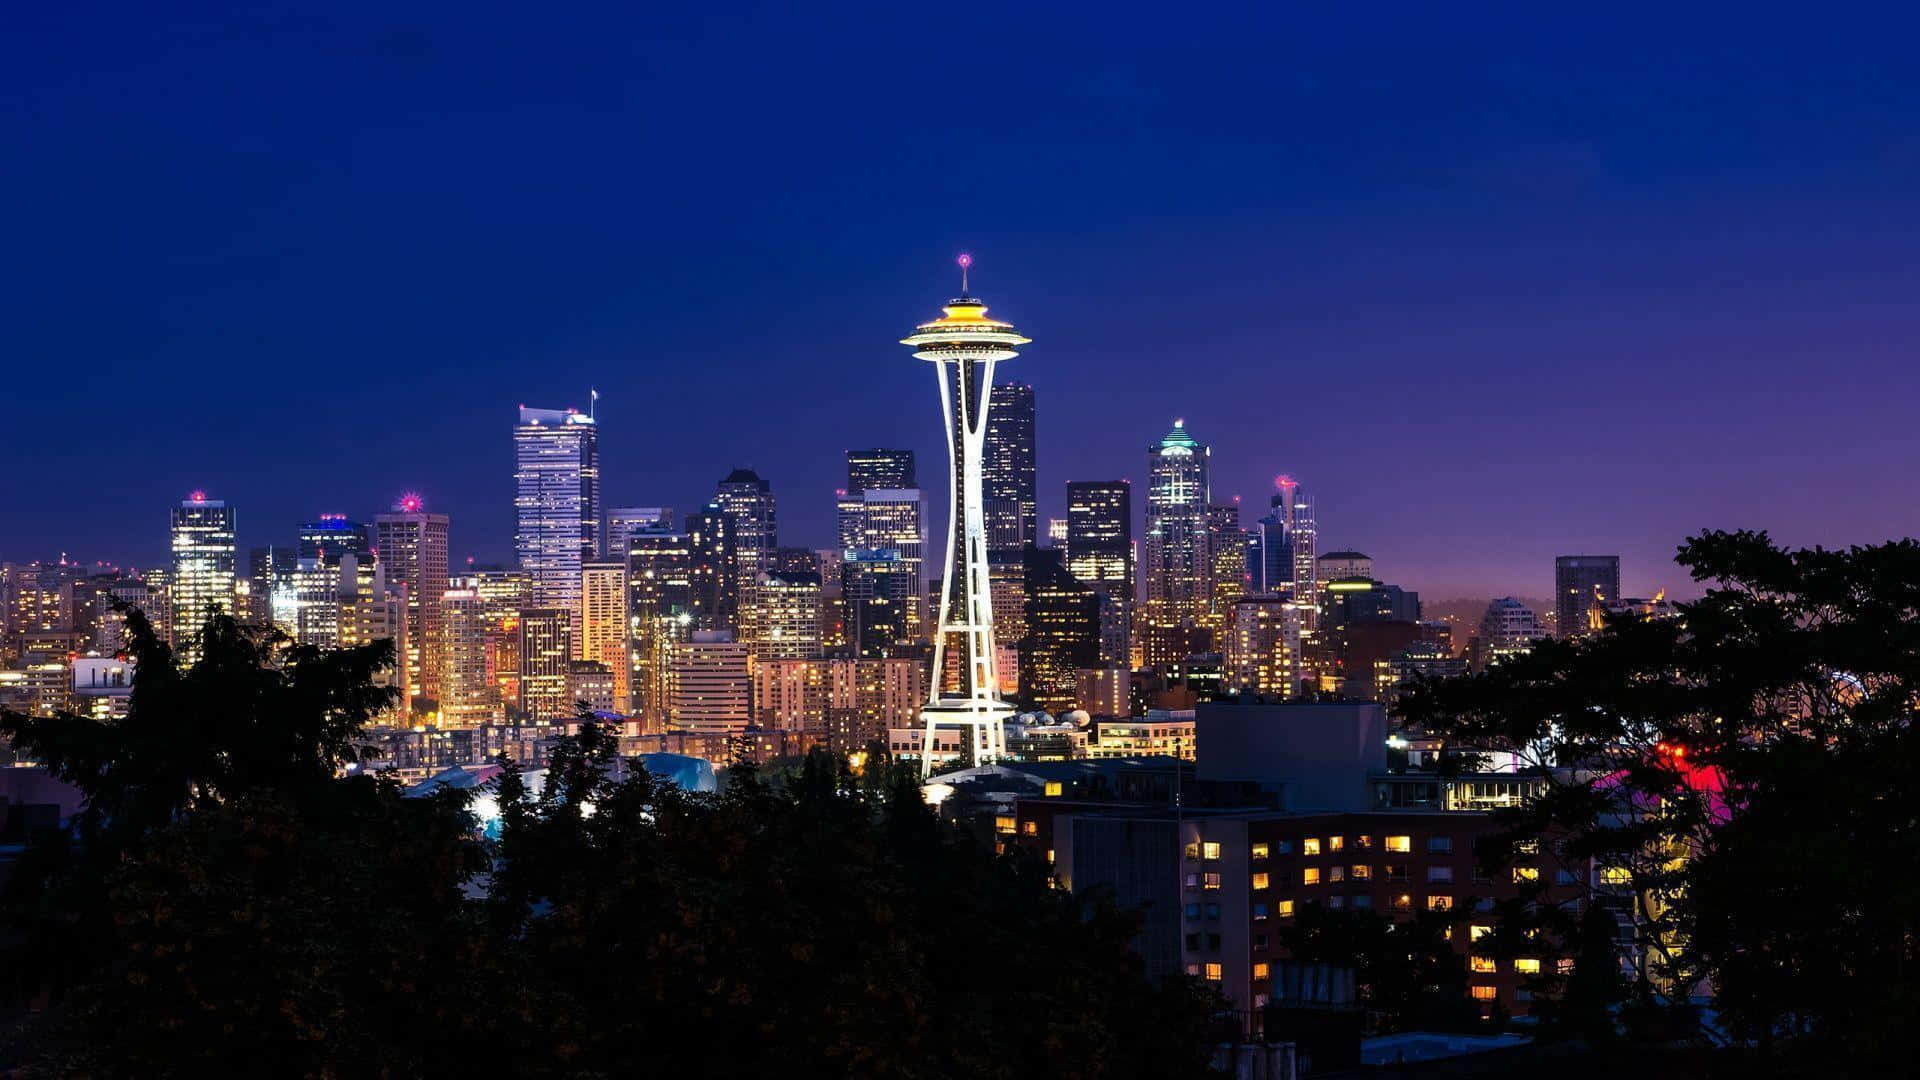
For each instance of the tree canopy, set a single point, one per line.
(1744, 781)
(229, 898)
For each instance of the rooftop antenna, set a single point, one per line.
(965, 260)
(593, 403)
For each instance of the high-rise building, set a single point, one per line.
(1063, 634)
(1509, 627)
(872, 469)
(270, 573)
(204, 564)
(710, 543)
(604, 627)
(1585, 587)
(712, 684)
(546, 663)
(1226, 565)
(1263, 647)
(1270, 553)
(369, 611)
(1008, 477)
(412, 546)
(895, 519)
(964, 346)
(503, 594)
(877, 594)
(789, 616)
(333, 555)
(1342, 565)
(660, 611)
(1178, 572)
(747, 503)
(556, 501)
(470, 692)
(624, 521)
(1302, 537)
(1099, 547)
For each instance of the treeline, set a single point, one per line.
(226, 901)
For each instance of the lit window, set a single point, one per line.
(1363, 842)
(1526, 965)
(1193, 851)
(1030, 828)
(1485, 993)
(1260, 911)
(1260, 851)
(1260, 881)
(1310, 876)
(1615, 875)
(1211, 881)
(1310, 846)
(1528, 847)
(1210, 850)
(1283, 847)
(1286, 909)
(1336, 843)
(1403, 902)
(1213, 972)
(1400, 845)
(1193, 969)
(1055, 788)
(1475, 933)
(1526, 873)
(1482, 964)
(1260, 970)
(1362, 873)
(1336, 902)
(1004, 825)
(1049, 856)
(1439, 903)
(1336, 873)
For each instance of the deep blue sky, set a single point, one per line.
(1496, 282)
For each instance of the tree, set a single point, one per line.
(222, 896)
(233, 898)
(1406, 972)
(1744, 780)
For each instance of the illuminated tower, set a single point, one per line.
(412, 545)
(203, 568)
(964, 345)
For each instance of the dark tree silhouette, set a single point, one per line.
(1746, 779)
(229, 901)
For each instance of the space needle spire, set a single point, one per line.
(964, 345)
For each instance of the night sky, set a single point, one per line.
(1494, 282)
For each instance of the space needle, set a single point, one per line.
(963, 345)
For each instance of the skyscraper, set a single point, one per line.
(712, 684)
(752, 535)
(604, 626)
(1063, 634)
(880, 469)
(1178, 560)
(624, 521)
(1099, 546)
(204, 563)
(877, 591)
(660, 611)
(964, 346)
(412, 546)
(334, 554)
(1302, 538)
(270, 571)
(556, 501)
(1581, 584)
(789, 616)
(1008, 477)
(546, 663)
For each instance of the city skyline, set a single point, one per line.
(1419, 263)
